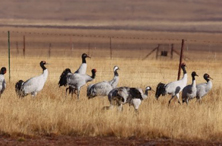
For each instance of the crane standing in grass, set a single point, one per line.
(2, 80)
(122, 95)
(173, 88)
(189, 92)
(81, 70)
(77, 80)
(103, 88)
(204, 88)
(33, 85)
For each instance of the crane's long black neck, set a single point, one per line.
(43, 67)
(83, 59)
(93, 75)
(146, 92)
(207, 79)
(116, 73)
(184, 70)
(193, 78)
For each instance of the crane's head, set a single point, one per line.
(42, 63)
(193, 74)
(93, 70)
(84, 55)
(207, 77)
(183, 65)
(148, 88)
(115, 68)
(3, 70)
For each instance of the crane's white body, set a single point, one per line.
(35, 84)
(189, 92)
(2, 84)
(173, 88)
(82, 69)
(99, 89)
(203, 89)
(122, 95)
(103, 88)
(77, 80)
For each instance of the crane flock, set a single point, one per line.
(117, 96)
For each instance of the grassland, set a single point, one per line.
(51, 113)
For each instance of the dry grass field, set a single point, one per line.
(51, 113)
(118, 33)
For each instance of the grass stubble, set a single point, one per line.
(53, 113)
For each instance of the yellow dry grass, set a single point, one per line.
(51, 113)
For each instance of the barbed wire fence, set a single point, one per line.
(67, 45)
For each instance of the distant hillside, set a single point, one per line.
(163, 15)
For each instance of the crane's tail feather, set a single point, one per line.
(62, 81)
(18, 87)
(135, 93)
(160, 90)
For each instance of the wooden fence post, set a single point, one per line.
(9, 53)
(24, 46)
(181, 58)
(49, 52)
(157, 51)
(110, 46)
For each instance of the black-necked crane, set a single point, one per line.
(122, 95)
(33, 85)
(2, 80)
(172, 88)
(189, 92)
(77, 80)
(103, 88)
(81, 70)
(204, 88)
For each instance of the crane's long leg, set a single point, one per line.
(78, 92)
(178, 97)
(170, 100)
(120, 107)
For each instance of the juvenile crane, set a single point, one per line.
(33, 85)
(103, 88)
(2, 80)
(122, 95)
(204, 88)
(173, 88)
(81, 70)
(189, 92)
(77, 80)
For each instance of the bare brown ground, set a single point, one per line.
(84, 141)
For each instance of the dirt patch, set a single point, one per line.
(85, 141)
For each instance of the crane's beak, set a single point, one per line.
(153, 90)
(88, 56)
(211, 78)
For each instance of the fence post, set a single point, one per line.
(49, 52)
(157, 51)
(181, 58)
(172, 46)
(17, 48)
(24, 46)
(9, 67)
(110, 46)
